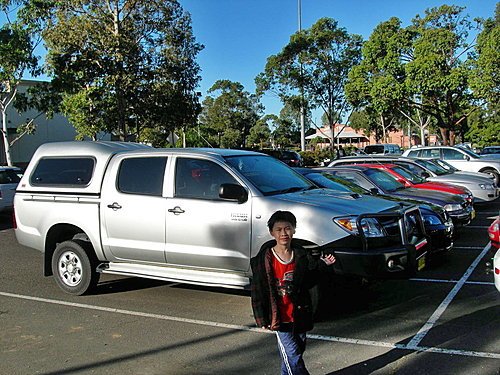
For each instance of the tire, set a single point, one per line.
(74, 267)
(493, 173)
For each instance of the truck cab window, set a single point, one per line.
(195, 178)
(142, 175)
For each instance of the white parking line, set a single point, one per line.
(345, 340)
(452, 281)
(415, 341)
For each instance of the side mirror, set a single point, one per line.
(374, 191)
(233, 192)
(425, 175)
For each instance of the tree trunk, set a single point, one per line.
(6, 139)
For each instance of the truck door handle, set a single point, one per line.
(115, 206)
(176, 210)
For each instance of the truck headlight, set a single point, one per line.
(452, 207)
(371, 227)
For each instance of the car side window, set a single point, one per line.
(9, 177)
(449, 154)
(430, 153)
(142, 175)
(413, 153)
(201, 179)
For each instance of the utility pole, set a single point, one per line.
(302, 117)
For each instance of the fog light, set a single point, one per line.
(391, 264)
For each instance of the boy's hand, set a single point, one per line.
(329, 259)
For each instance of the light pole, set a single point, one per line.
(302, 119)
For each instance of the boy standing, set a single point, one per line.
(282, 277)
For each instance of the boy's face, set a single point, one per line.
(283, 232)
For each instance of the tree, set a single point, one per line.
(485, 80)
(260, 133)
(18, 40)
(122, 66)
(377, 84)
(227, 117)
(314, 64)
(437, 75)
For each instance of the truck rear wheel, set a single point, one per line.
(74, 268)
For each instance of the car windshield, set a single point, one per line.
(329, 181)
(438, 170)
(472, 154)
(384, 180)
(269, 175)
(445, 165)
(415, 179)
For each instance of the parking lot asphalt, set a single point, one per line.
(446, 320)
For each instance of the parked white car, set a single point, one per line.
(9, 178)
(460, 157)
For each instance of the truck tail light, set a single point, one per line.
(497, 271)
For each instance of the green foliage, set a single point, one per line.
(316, 157)
(130, 66)
(18, 40)
(314, 64)
(484, 128)
(485, 80)
(228, 114)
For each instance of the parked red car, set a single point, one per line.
(409, 179)
(494, 233)
(494, 264)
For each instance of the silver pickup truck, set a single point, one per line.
(195, 216)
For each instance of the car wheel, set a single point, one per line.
(494, 174)
(74, 267)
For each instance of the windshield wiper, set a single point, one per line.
(288, 190)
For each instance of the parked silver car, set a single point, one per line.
(483, 188)
(460, 157)
(9, 178)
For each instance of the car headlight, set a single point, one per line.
(486, 186)
(431, 219)
(452, 207)
(467, 197)
(371, 227)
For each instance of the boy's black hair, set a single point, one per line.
(286, 216)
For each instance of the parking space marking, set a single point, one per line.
(415, 341)
(235, 327)
(452, 281)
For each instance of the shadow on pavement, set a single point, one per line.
(5, 220)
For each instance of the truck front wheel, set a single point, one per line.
(74, 268)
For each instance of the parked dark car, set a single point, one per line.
(291, 158)
(380, 182)
(438, 224)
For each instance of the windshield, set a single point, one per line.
(415, 179)
(438, 170)
(269, 175)
(329, 181)
(445, 165)
(472, 154)
(384, 180)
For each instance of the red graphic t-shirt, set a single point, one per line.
(283, 275)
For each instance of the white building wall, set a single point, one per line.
(55, 129)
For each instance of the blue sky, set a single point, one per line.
(239, 35)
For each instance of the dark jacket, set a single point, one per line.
(264, 292)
